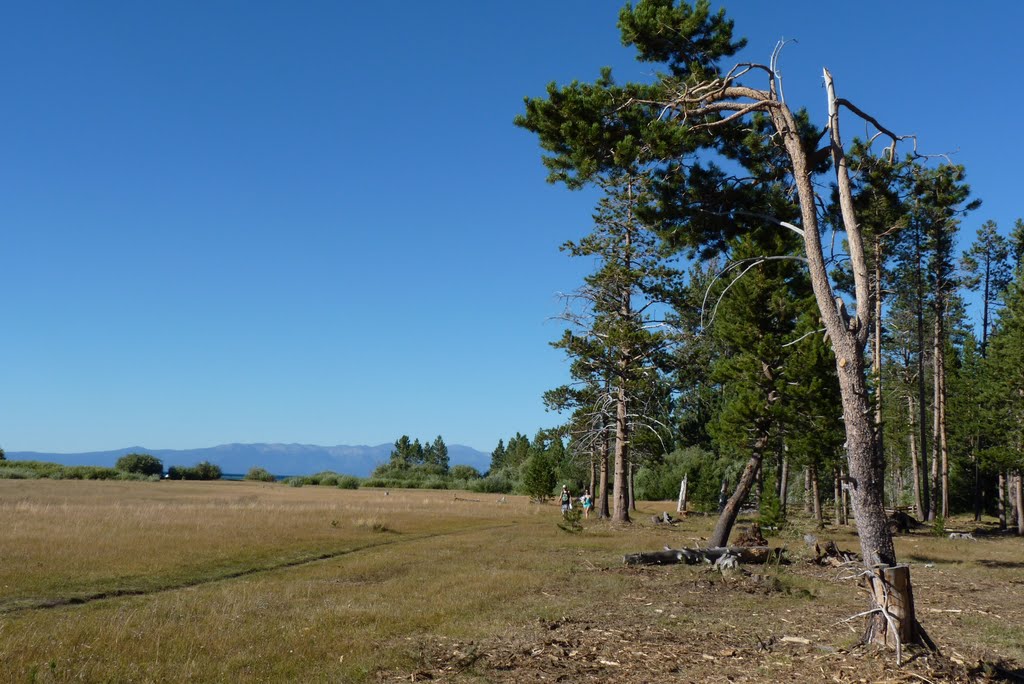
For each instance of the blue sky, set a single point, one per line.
(315, 222)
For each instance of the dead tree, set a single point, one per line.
(723, 100)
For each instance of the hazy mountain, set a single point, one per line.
(280, 459)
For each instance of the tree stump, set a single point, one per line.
(893, 622)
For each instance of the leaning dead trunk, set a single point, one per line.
(727, 518)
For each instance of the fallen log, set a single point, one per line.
(744, 554)
(900, 521)
(832, 555)
(664, 519)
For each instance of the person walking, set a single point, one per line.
(566, 499)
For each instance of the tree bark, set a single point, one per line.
(928, 510)
(727, 518)
(1019, 498)
(893, 623)
(919, 508)
(593, 474)
(816, 496)
(940, 452)
(602, 499)
(784, 485)
(632, 490)
(876, 348)
(837, 496)
(848, 336)
(620, 491)
(808, 505)
(745, 554)
(1001, 496)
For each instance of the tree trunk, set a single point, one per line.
(632, 491)
(933, 507)
(620, 491)
(816, 496)
(919, 508)
(928, 510)
(1019, 498)
(893, 623)
(593, 474)
(977, 483)
(602, 499)
(784, 485)
(623, 475)
(876, 348)
(837, 496)
(808, 505)
(849, 335)
(940, 452)
(1001, 495)
(727, 518)
(899, 484)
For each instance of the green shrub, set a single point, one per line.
(660, 482)
(571, 520)
(771, 515)
(492, 484)
(348, 482)
(140, 463)
(200, 471)
(9, 473)
(327, 479)
(539, 477)
(84, 473)
(259, 475)
(464, 472)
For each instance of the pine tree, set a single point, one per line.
(589, 129)
(987, 265)
(1005, 391)
(498, 457)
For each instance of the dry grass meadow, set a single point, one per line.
(251, 582)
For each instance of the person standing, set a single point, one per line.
(588, 502)
(566, 499)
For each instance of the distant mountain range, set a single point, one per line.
(279, 459)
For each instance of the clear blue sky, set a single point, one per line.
(314, 222)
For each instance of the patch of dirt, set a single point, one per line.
(693, 625)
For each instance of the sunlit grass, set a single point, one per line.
(256, 582)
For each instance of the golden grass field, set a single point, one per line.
(250, 582)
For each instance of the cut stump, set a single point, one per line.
(893, 622)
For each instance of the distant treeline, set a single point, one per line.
(128, 467)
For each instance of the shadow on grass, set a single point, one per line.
(1000, 564)
(999, 671)
(918, 558)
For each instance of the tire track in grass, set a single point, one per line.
(23, 605)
